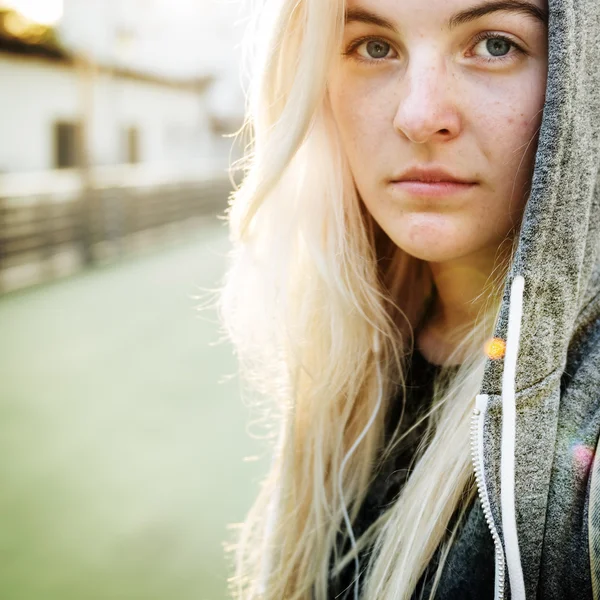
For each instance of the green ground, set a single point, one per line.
(122, 435)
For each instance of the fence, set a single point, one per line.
(56, 226)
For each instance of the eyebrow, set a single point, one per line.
(359, 15)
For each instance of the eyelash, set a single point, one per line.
(486, 35)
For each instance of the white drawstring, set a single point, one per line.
(507, 464)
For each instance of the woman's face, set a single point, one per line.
(443, 84)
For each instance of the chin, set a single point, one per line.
(432, 255)
(435, 239)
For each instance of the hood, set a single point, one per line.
(551, 296)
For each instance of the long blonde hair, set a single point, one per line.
(312, 282)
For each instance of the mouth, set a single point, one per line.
(431, 182)
(432, 189)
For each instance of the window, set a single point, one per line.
(132, 145)
(67, 143)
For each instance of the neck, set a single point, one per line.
(460, 296)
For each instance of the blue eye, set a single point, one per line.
(371, 50)
(494, 48)
(378, 49)
(498, 46)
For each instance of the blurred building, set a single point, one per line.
(115, 83)
(114, 127)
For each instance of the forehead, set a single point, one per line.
(446, 13)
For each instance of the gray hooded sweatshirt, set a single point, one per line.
(536, 422)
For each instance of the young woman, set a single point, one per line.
(415, 292)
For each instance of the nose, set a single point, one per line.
(427, 110)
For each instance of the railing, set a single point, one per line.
(52, 225)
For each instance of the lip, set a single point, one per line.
(432, 189)
(431, 182)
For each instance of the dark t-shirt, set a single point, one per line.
(394, 473)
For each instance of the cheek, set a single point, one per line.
(363, 114)
(507, 131)
(515, 116)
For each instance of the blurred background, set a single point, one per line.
(126, 451)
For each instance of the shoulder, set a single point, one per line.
(580, 416)
(594, 524)
(582, 385)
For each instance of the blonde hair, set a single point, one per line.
(312, 280)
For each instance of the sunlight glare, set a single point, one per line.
(44, 12)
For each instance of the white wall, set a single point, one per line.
(176, 38)
(172, 123)
(34, 95)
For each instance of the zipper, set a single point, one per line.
(477, 422)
